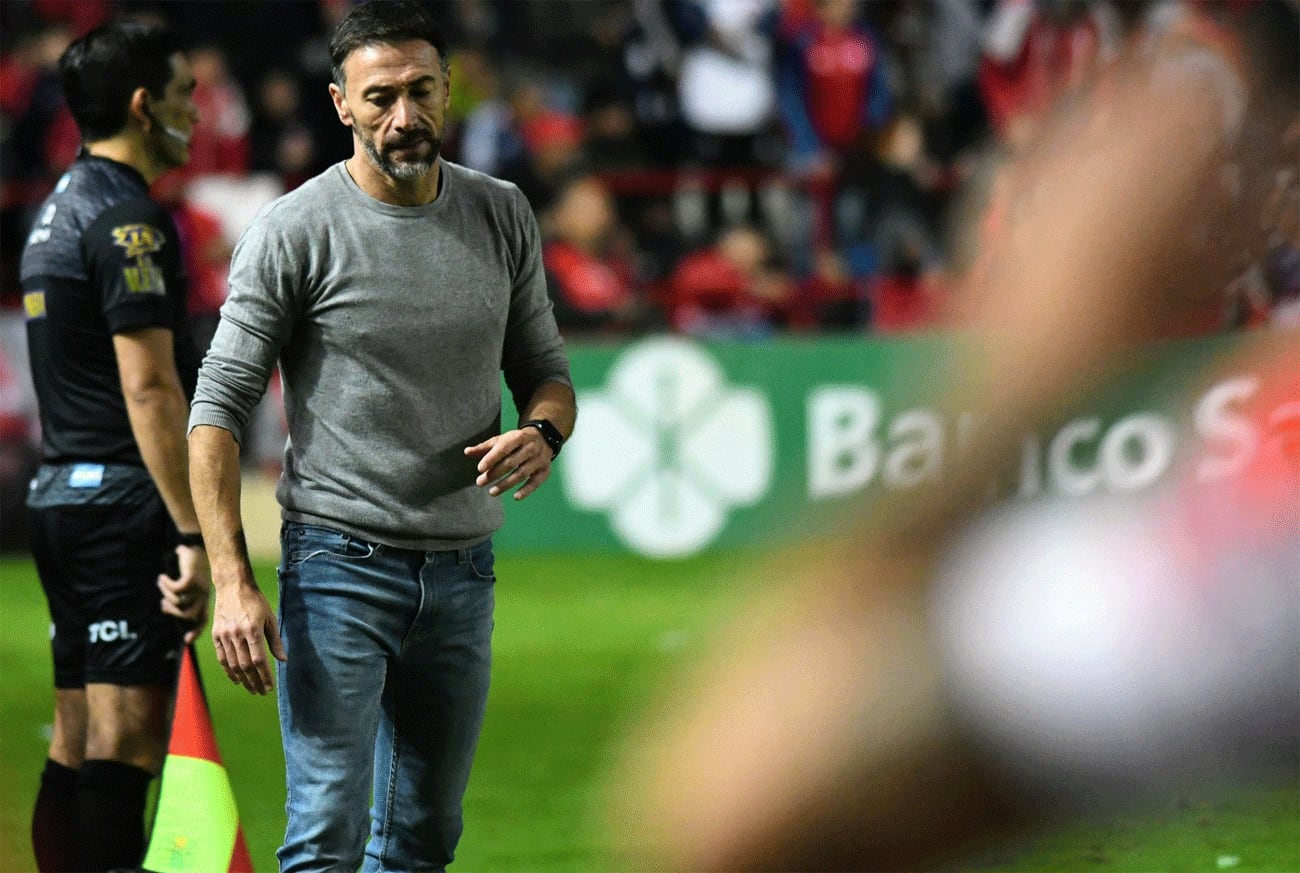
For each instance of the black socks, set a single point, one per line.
(108, 816)
(52, 818)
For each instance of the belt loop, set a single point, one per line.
(462, 556)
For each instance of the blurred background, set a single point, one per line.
(756, 214)
(731, 170)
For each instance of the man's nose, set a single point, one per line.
(404, 114)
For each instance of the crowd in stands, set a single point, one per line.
(717, 167)
(722, 168)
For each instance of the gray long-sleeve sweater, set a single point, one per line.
(392, 326)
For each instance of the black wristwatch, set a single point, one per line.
(190, 540)
(549, 432)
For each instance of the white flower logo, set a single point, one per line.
(668, 448)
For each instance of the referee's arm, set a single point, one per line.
(158, 410)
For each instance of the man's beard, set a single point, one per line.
(404, 171)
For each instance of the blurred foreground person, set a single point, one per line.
(113, 361)
(949, 675)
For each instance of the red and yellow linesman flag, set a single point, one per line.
(196, 828)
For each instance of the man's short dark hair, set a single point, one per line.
(383, 21)
(101, 71)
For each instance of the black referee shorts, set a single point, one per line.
(99, 567)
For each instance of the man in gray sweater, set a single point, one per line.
(393, 289)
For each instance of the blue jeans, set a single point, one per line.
(381, 698)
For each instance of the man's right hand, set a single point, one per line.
(186, 596)
(242, 619)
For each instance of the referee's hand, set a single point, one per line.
(185, 596)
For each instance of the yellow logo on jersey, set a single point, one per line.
(138, 239)
(34, 304)
(145, 277)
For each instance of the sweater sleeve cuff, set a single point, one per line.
(206, 413)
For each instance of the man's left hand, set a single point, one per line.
(516, 457)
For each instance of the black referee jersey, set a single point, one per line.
(102, 258)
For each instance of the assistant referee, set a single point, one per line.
(114, 367)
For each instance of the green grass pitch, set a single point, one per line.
(581, 644)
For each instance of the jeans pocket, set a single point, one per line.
(307, 543)
(482, 562)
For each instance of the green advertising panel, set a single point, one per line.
(684, 446)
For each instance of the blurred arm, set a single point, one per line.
(817, 737)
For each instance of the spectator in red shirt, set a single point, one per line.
(832, 87)
(81, 16)
(830, 298)
(731, 289)
(592, 281)
(219, 143)
(38, 139)
(554, 152)
(909, 294)
(834, 99)
(206, 252)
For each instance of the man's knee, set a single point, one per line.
(127, 724)
(68, 743)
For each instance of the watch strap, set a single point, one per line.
(549, 432)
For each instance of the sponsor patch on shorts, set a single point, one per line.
(111, 631)
(86, 476)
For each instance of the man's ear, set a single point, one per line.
(138, 109)
(341, 104)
